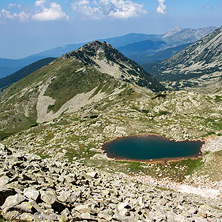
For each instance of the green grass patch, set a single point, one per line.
(218, 99)
(191, 165)
(49, 137)
(174, 170)
(132, 166)
(164, 189)
(70, 83)
(1, 219)
(43, 156)
(4, 135)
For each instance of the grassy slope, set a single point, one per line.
(70, 82)
(66, 84)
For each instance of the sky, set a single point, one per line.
(32, 26)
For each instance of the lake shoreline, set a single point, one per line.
(161, 160)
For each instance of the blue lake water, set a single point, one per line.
(151, 147)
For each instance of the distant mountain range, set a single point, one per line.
(129, 44)
(200, 64)
(183, 36)
(10, 79)
(9, 66)
(173, 41)
(141, 47)
(147, 60)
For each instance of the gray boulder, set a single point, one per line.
(48, 196)
(12, 201)
(4, 193)
(31, 193)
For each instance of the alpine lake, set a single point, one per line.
(152, 148)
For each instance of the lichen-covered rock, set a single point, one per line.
(82, 208)
(48, 196)
(66, 196)
(12, 215)
(5, 150)
(31, 193)
(36, 206)
(28, 217)
(12, 201)
(92, 174)
(25, 207)
(4, 193)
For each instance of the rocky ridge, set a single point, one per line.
(35, 189)
(106, 59)
(198, 65)
(183, 36)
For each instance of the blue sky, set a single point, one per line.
(32, 26)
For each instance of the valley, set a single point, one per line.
(81, 134)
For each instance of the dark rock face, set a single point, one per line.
(60, 191)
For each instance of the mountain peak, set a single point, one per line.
(172, 32)
(106, 59)
(90, 49)
(96, 45)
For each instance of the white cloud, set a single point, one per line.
(23, 16)
(54, 12)
(6, 14)
(97, 9)
(207, 6)
(83, 6)
(14, 5)
(39, 2)
(11, 5)
(161, 8)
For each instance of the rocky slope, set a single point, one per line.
(33, 189)
(198, 65)
(181, 36)
(78, 78)
(180, 115)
